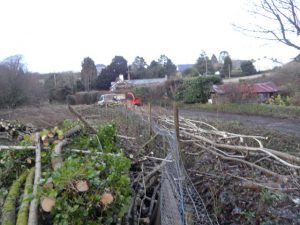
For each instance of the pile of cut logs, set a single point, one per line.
(14, 130)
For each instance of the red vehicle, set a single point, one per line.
(133, 100)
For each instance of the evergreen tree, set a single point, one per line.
(138, 68)
(109, 74)
(214, 59)
(227, 67)
(248, 68)
(88, 73)
(164, 66)
(204, 65)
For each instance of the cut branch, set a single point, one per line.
(9, 206)
(84, 121)
(4, 147)
(279, 177)
(57, 157)
(33, 210)
(24, 208)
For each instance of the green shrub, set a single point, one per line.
(87, 97)
(189, 90)
(190, 72)
(279, 100)
(105, 169)
(197, 90)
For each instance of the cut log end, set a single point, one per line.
(29, 161)
(47, 203)
(106, 198)
(82, 186)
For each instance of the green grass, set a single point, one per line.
(292, 112)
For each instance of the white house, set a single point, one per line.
(263, 64)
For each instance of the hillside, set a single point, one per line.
(287, 78)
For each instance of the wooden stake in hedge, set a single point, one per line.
(150, 119)
(176, 121)
(23, 211)
(9, 207)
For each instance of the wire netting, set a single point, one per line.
(180, 203)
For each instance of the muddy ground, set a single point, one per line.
(45, 116)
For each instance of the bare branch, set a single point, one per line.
(280, 13)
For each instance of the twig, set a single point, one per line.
(86, 124)
(159, 159)
(125, 137)
(153, 199)
(90, 152)
(259, 185)
(280, 177)
(150, 140)
(4, 147)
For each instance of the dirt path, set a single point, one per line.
(282, 125)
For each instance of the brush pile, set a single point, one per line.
(78, 177)
(239, 178)
(238, 148)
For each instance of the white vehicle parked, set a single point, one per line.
(107, 99)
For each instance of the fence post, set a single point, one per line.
(150, 119)
(176, 121)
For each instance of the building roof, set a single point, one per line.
(266, 87)
(146, 81)
(138, 82)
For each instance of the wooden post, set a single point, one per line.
(150, 120)
(126, 112)
(176, 121)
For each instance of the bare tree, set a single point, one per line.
(15, 63)
(16, 86)
(275, 20)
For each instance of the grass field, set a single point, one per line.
(291, 112)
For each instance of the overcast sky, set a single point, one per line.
(55, 35)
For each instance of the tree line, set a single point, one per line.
(20, 87)
(17, 85)
(222, 66)
(139, 69)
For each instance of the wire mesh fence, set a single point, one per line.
(180, 203)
